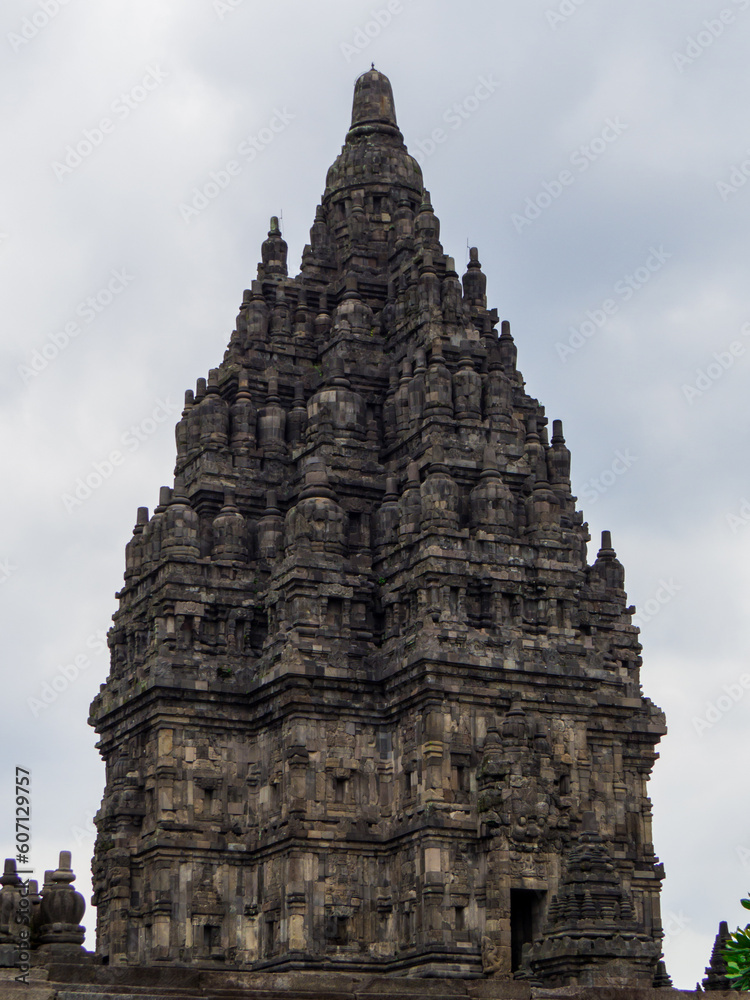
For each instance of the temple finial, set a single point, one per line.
(273, 252)
(373, 104)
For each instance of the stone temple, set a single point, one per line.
(370, 709)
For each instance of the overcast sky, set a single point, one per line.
(596, 153)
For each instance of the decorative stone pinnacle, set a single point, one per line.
(490, 468)
(373, 104)
(165, 498)
(10, 876)
(412, 474)
(317, 485)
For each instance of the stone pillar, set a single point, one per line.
(270, 528)
(229, 532)
(243, 418)
(272, 421)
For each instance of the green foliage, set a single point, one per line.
(736, 954)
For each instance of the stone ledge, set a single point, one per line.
(76, 981)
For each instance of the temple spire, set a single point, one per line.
(273, 252)
(362, 630)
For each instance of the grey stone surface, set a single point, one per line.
(67, 983)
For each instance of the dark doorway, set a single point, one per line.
(337, 930)
(525, 920)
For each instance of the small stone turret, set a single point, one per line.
(410, 505)
(214, 416)
(373, 108)
(10, 904)
(387, 516)
(317, 520)
(558, 460)
(229, 531)
(270, 528)
(716, 970)
(591, 935)
(608, 571)
(467, 387)
(427, 225)
(134, 548)
(272, 421)
(438, 385)
(181, 527)
(273, 253)
(31, 921)
(61, 912)
(296, 421)
(440, 495)
(507, 350)
(257, 318)
(475, 281)
(243, 421)
(491, 501)
(337, 407)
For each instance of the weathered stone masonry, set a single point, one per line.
(369, 707)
